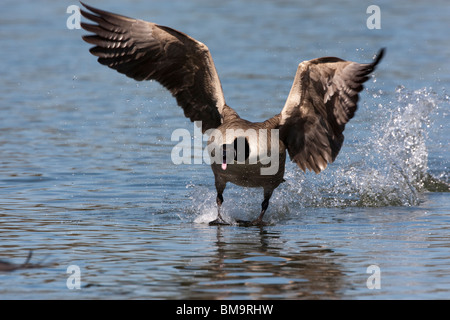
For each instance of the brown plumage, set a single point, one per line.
(323, 98)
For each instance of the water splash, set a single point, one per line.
(388, 166)
(391, 166)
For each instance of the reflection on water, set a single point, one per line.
(319, 253)
(254, 267)
(86, 178)
(221, 263)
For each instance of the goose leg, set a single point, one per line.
(264, 205)
(219, 200)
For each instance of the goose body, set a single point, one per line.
(322, 99)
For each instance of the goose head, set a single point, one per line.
(236, 152)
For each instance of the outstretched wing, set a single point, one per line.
(147, 51)
(323, 98)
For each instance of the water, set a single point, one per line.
(86, 178)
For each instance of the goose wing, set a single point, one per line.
(323, 98)
(147, 51)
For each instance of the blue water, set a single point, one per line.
(86, 177)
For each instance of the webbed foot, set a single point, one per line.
(256, 222)
(219, 222)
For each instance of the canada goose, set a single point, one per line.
(323, 98)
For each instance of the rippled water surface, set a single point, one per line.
(87, 181)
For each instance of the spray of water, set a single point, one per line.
(387, 167)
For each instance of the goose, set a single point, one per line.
(322, 99)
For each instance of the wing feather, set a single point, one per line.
(323, 98)
(147, 51)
